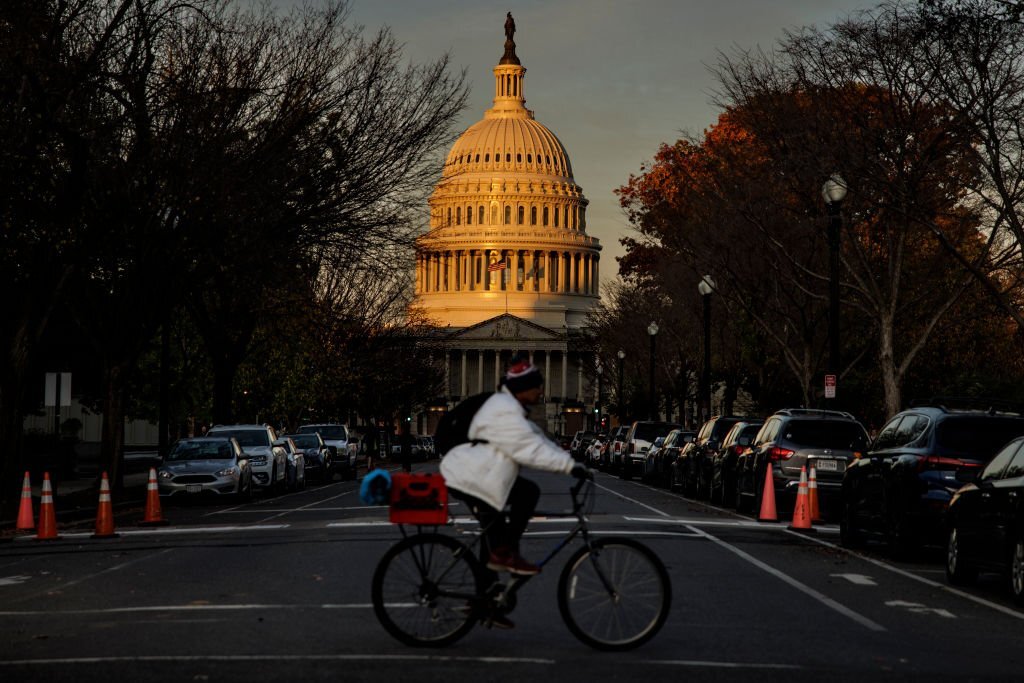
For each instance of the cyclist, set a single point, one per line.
(485, 471)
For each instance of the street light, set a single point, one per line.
(706, 287)
(597, 408)
(618, 396)
(652, 412)
(833, 192)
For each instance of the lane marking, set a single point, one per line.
(857, 579)
(918, 608)
(720, 665)
(920, 579)
(632, 500)
(375, 658)
(802, 587)
(168, 531)
(182, 608)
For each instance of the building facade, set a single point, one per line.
(507, 264)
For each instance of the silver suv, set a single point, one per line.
(269, 462)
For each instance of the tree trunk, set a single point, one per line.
(12, 456)
(223, 387)
(891, 379)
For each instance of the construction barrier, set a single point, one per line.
(802, 512)
(47, 514)
(768, 513)
(26, 519)
(153, 515)
(105, 511)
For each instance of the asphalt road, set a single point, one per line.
(279, 590)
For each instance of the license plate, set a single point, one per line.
(826, 465)
(193, 488)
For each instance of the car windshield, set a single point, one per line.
(980, 437)
(201, 450)
(247, 438)
(722, 427)
(826, 434)
(305, 440)
(333, 432)
(649, 431)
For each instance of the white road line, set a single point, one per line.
(182, 608)
(910, 575)
(375, 658)
(720, 665)
(162, 531)
(632, 500)
(803, 588)
(304, 508)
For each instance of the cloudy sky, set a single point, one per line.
(612, 79)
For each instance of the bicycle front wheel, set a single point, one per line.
(425, 590)
(614, 595)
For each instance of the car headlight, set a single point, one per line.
(258, 459)
(164, 474)
(227, 472)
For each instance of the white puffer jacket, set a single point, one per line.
(488, 470)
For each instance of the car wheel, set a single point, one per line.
(1017, 572)
(672, 478)
(958, 570)
(740, 500)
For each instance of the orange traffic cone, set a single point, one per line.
(153, 515)
(47, 515)
(802, 512)
(812, 496)
(26, 520)
(105, 512)
(768, 512)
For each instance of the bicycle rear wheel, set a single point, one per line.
(425, 590)
(614, 595)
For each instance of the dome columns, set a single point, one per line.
(527, 270)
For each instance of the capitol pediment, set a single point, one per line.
(506, 327)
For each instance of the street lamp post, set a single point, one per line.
(621, 355)
(597, 408)
(706, 287)
(833, 192)
(652, 411)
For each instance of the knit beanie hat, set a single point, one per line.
(522, 375)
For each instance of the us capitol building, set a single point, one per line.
(507, 265)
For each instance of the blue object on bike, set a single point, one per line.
(376, 488)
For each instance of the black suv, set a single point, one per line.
(828, 440)
(723, 461)
(691, 470)
(900, 490)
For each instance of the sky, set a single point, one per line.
(612, 79)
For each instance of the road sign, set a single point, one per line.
(830, 386)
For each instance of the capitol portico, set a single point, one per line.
(507, 264)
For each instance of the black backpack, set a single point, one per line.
(453, 428)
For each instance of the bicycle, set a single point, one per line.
(430, 589)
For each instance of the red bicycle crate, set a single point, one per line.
(418, 499)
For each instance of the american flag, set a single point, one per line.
(497, 265)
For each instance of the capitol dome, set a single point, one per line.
(508, 222)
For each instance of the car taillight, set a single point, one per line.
(938, 462)
(777, 453)
(737, 450)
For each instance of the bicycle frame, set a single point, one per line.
(506, 596)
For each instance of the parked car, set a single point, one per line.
(336, 437)
(210, 465)
(653, 451)
(691, 470)
(985, 521)
(900, 490)
(269, 462)
(656, 466)
(616, 441)
(638, 441)
(724, 459)
(597, 451)
(296, 463)
(790, 439)
(579, 443)
(316, 455)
